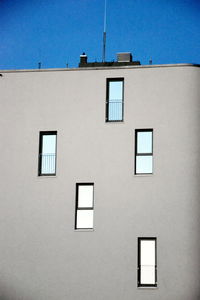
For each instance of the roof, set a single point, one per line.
(102, 68)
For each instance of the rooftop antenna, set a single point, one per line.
(104, 34)
(39, 58)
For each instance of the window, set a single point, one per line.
(147, 269)
(115, 100)
(47, 153)
(143, 151)
(84, 206)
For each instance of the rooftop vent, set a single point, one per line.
(83, 58)
(124, 57)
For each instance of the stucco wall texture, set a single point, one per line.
(41, 255)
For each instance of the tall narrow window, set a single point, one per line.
(147, 268)
(84, 206)
(47, 153)
(115, 100)
(143, 151)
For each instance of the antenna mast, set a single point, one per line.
(104, 34)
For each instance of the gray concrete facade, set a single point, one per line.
(42, 257)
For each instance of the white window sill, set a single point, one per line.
(115, 122)
(83, 230)
(143, 175)
(147, 287)
(47, 176)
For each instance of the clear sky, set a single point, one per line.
(56, 32)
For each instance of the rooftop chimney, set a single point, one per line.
(83, 58)
(124, 57)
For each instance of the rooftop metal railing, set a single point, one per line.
(114, 109)
(47, 163)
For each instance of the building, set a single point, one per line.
(100, 169)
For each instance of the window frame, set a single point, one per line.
(142, 154)
(41, 134)
(83, 208)
(139, 284)
(108, 80)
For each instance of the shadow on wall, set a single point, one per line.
(11, 293)
(196, 209)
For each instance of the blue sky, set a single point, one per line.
(56, 32)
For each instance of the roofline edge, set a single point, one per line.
(101, 68)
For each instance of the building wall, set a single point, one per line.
(42, 256)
